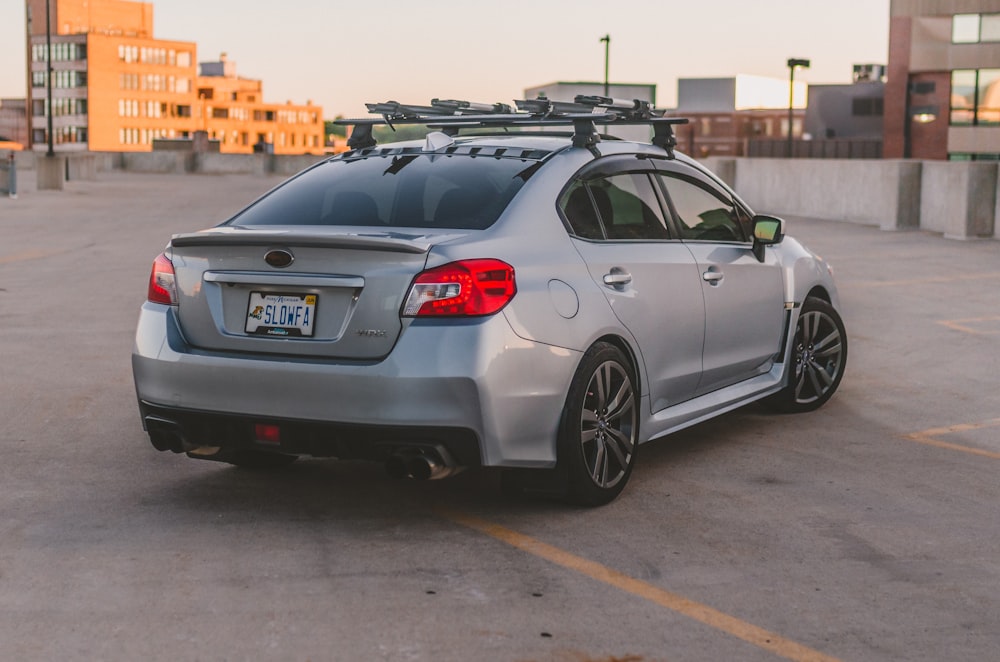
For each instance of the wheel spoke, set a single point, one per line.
(619, 456)
(587, 436)
(817, 389)
(830, 351)
(603, 379)
(622, 404)
(800, 382)
(599, 470)
(807, 331)
(621, 445)
(833, 337)
(823, 374)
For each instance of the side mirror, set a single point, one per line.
(767, 231)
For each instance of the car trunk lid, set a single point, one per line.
(338, 295)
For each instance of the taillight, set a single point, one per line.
(162, 288)
(461, 289)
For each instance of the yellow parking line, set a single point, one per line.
(928, 437)
(960, 325)
(28, 255)
(699, 612)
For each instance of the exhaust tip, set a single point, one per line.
(421, 467)
(395, 466)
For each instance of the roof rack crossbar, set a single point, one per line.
(583, 114)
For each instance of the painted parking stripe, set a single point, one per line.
(29, 255)
(968, 325)
(702, 613)
(930, 437)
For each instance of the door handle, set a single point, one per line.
(617, 278)
(713, 276)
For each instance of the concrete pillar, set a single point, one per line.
(958, 198)
(908, 179)
(51, 173)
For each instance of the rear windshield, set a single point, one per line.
(408, 190)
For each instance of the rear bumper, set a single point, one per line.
(181, 430)
(473, 386)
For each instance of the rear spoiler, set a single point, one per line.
(393, 242)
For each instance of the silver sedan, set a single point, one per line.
(515, 300)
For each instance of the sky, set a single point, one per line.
(343, 54)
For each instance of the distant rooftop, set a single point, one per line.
(740, 92)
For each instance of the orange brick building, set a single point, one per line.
(117, 88)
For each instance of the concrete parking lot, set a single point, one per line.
(868, 530)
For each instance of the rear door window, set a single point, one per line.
(615, 207)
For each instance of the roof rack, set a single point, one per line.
(583, 114)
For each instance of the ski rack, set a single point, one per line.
(584, 115)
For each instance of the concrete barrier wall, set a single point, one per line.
(81, 167)
(956, 198)
(155, 162)
(883, 193)
(287, 166)
(207, 163)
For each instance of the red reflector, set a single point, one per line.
(269, 434)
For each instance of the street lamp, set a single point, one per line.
(792, 63)
(607, 52)
(48, 72)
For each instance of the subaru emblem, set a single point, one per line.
(279, 258)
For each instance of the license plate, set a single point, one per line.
(281, 315)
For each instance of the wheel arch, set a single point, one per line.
(632, 356)
(819, 292)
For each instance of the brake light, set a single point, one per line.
(468, 288)
(162, 285)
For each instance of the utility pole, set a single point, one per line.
(28, 57)
(48, 73)
(607, 52)
(792, 63)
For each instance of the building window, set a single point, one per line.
(975, 28)
(975, 97)
(867, 107)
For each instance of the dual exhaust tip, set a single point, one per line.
(420, 464)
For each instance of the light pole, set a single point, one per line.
(607, 52)
(792, 63)
(48, 73)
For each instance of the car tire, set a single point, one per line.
(818, 359)
(599, 430)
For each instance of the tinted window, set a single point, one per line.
(416, 190)
(702, 214)
(578, 206)
(625, 205)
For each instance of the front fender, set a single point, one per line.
(805, 272)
